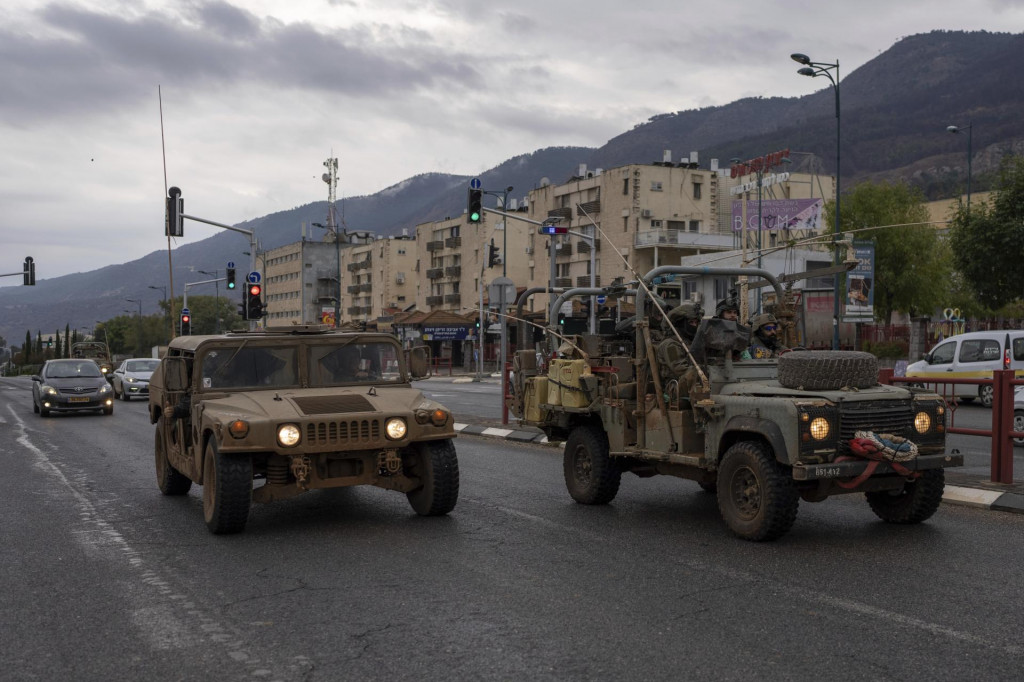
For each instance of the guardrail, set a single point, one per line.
(1001, 433)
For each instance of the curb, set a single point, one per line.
(979, 498)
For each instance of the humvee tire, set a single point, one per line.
(758, 501)
(827, 370)
(916, 502)
(227, 490)
(168, 479)
(438, 468)
(590, 474)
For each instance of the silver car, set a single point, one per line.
(132, 377)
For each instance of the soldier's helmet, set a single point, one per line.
(685, 311)
(758, 321)
(727, 304)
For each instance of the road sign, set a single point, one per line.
(185, 311)
(502, 286)
(475, 183)
(601, 300)
(253, 277)
(231, 263)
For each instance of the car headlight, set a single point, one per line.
(130, 380)
(288, 435)
(922, 422)
(104, 370)
(819, 428)
(48, 390)
(395, 428)
(105, 388)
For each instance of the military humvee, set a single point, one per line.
(297, 409)
(94, 350)
(760, 434)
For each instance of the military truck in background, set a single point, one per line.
(295, 409)
(760, 434)
(94, 350)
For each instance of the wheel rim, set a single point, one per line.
(209, 486)
(582, 464)
(986, 396)
(746, 493)
(1018, 425)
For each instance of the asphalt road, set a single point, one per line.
(106, 579)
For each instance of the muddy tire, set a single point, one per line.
(827, 370)
(916, 502)
(756, 496)
(169, 480)
(227, 490)
(590, 474)
(985, 395)
(438, 467)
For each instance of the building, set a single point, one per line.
(378, 278)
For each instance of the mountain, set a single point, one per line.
(895, 110)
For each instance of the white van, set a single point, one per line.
(972, 356)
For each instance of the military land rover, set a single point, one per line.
(266, 415)
(761, 434)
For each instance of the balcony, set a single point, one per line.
(366, 286)
(352, 267)
(435, 245)
(564, 212)
(590, 207)
(453, 242)
(352, 288)
(453, 271)
(435, 300)
(353, 310)
(563, 282)
(583, 246)
(584, 281)
(435, 273)
(453, 298)
(366, 310)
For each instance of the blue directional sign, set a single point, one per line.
(475, 183)
(231, 263)
(253, 277)
(185, 311)
(601, 300)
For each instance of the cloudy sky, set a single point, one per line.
(258, 93)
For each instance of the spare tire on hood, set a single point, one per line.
(827, 370)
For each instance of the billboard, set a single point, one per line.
(779, 214)
(860, 283)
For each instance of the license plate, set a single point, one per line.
(78, 399)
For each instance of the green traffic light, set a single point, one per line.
(474, 217)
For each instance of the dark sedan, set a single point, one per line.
(71, 386)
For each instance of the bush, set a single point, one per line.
(895, 350)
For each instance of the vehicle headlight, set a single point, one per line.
(395, 428)
(105, 388)
(239, 429)
(48, 390)
(103, 369)
(130, 380)
(922, 422)
(439, 417)
(288, 435)
(819, 428)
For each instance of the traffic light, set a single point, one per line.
(493, 256)
(475, 206)
(231, 278)
(253, 304)
(175, 223)
(186, 324)
(29, 271)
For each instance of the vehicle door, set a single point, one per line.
(976, 359)
(1017, 354)
(118, 378)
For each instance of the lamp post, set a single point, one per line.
(814, 69)
(337, 259)
(970, 132)
(216, 299)
(138, 341)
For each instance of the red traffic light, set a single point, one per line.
(186, 318)
(255, 290)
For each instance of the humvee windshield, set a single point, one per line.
(277, 366)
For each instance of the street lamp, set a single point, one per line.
(814, 69)
(138, 341)
(337, 258)
(970, 132)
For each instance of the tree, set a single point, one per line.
(67, 340)
(987, 240)
(912, 263)
(26, 350)
(58, 350)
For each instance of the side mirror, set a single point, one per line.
(36, 377)
(418, 360)
(927, 357)
(175, 373)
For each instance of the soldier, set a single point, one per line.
(728, 309)
(672, 357)
(765, 340)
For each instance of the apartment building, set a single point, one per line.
(452, 259)
(378, 278)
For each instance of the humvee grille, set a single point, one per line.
(334, 404)
(343, 432)
(881, 416)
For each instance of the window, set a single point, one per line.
(655, 185)
(980, 350)
(943, 355)
(696, 190)
(625, 185)
(722, 287)
(656, 224)
(1018, 348)
(694, 226)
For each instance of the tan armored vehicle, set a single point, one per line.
(94, 350)
(761, 434)
(295, 409)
